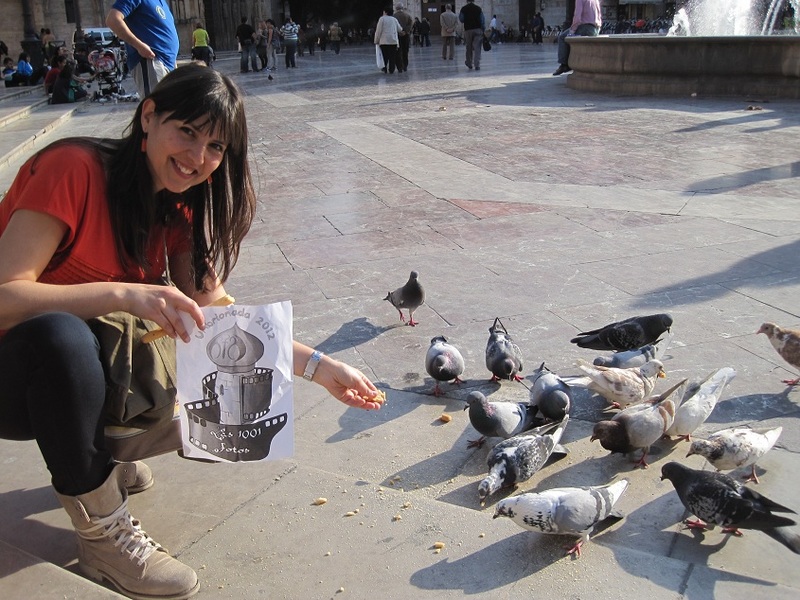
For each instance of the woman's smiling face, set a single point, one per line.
(179, 154)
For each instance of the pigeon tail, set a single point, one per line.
(788, 538)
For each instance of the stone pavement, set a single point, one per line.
(512, 196)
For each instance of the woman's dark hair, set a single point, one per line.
(58, 58)
(223, 211)
(23, 56)
(67, 70)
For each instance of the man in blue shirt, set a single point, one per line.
(148, 29)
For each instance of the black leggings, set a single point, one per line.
(53, 391)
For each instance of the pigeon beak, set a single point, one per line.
(689, 453)
(466, 406)
(593, 438)
(495, 515)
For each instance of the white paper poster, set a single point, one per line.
(235, 385)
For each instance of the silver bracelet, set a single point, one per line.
(312, 364)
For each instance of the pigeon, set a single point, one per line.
(550, 394)
(787, 343)
(698, 401)
(503, 356)
(562, 511)
(411, 296)
(621, 387)
(498, 419)
(636, 358)
(736, 447)
(637, 426)
(443, 362)
(517, 459)
(625, 335)
(717, 499)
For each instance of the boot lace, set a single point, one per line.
(126, 532)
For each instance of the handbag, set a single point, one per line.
(141, 409)
(379, 57)
(486, 44)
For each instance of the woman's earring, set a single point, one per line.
(144, 144)
(209, 181)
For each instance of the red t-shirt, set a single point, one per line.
(50, 78)
(69, 183)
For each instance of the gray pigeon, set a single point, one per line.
(736, 447)
(699, 400)
(411, 296)
(550, 394)
(517, 459)
(717, 499)
(443, 362)
(625, 335)
(503, 356)
(636, 358)
(638, 426)
(564, 511)
(498, 419)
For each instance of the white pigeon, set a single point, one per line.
(736, 447)
(699, 400)
(564, 511)
(636, 358)
(621, 387)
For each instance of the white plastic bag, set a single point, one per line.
(235, 385)
(379, 57)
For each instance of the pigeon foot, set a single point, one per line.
(753, 476)
(476, 443)
(695, 524)
(791, 381)
(642, 462)
(732, 531)
(576, 549)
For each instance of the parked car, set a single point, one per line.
(103, 36)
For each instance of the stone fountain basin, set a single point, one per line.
(657, 65)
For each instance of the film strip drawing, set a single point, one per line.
(231, 421)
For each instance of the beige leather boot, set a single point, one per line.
(144, 479)
(113, 546)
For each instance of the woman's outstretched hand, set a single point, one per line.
(348, 385)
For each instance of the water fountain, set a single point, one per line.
(714, 48)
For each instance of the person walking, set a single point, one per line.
(474, 22)
(273, 45)
(402, 16)
(261, 43)
(387, 36)
(586, 21)
(289, 31)
(538, 28)
(448, 21)
(335, 35)
(245, 34)
(151, 41)
(200, 44)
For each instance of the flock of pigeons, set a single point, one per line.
(531, 431)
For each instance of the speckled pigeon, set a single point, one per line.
(787, 343)
(517, 459)
(736, 447)
(621, 387)
(564, 511)
(717, 499)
